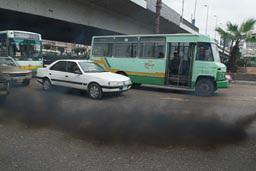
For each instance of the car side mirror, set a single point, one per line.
(77, 72)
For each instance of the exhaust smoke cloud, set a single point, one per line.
(131, 124)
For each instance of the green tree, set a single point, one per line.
(235, 34)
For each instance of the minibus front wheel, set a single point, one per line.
(205, 87)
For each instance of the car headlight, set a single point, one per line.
(115, 83)
(29, 74)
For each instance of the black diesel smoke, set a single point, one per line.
(129, 124)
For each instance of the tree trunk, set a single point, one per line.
(158, 14)
(234, 56)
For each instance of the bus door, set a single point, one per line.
(180, 60)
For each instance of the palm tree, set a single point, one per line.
(235, 34)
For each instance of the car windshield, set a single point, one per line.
(91, 67)
(7, 62)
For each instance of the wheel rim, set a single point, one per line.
(94, 91)
(47, 85)
(204, 88)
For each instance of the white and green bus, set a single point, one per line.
(189, 61)
(24, 47)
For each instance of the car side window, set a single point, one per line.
(72, 67)
(59, 66)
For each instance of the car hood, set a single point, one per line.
(109, 76)
(13, 69)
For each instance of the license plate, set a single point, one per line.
(125, 87)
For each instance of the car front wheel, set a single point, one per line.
(95, 91)
(47, 84)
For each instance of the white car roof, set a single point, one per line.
(75, 60)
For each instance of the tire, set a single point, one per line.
(136, 85)
(47, 85)
(26, 82)
(2, 99)
(205, 87)
(95, 91)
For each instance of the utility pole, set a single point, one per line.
(158, 14)
(194, 17)
(206, 27)
(182, 11)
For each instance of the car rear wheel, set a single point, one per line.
(47, 85)
(95, 91)
(25, 82)
(205, 87)
(2, 99)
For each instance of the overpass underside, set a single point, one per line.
(51, 29)
(78, 20)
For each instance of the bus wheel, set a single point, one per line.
(47, 84)
(95, 91)
(25, 82)
(136, 85)
(205, 87)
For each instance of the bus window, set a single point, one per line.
(3, 49)
(204, 52)
(152, 47)
(181, 56)
(102, 47)
(125, 47)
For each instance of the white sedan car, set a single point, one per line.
(83, 75)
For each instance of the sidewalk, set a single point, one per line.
(244, 78)
(243, 82)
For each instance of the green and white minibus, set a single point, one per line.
(24, 47)
(188, 61)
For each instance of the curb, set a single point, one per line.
(243, 82)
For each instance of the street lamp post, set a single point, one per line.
(206, 27)
(216, 25)
(182, 12)
(194, 18)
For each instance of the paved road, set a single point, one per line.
(148, 128)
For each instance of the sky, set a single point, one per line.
(219, 12)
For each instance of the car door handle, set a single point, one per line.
(66, 75)
(50, 73)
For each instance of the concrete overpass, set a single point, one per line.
(78, 20)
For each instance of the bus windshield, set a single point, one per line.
(25, 49)
(215, 52)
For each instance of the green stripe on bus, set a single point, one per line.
(147, 80)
